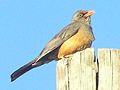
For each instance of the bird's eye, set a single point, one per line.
(80, 15)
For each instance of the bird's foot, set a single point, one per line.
(68, 56)
(63, 57)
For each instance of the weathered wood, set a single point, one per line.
(109, 69)
(78, 72)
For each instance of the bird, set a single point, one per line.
(76, 36)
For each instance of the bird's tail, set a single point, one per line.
(26, 68)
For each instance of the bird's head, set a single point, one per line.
(83, 16)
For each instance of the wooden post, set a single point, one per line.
(77, 72)
(109, 69)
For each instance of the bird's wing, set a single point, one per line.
(62, 36)
(65, 34)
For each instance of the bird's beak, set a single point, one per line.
(89, 13)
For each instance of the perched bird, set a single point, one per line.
(74, 37)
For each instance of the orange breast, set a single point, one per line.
(79, 41)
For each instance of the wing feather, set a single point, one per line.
(62, 36)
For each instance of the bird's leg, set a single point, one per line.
(68, 56)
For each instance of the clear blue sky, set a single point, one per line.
(27, 25)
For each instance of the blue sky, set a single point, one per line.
(27, 25)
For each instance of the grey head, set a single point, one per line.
(82, 16)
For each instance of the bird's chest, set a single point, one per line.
(79, 41)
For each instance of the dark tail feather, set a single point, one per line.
(29, 66)
(26, 68)
(21, 71)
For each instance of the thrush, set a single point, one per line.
(76, 36)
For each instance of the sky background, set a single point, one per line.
(27, 25)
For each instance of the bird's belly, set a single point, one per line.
(78, 42)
